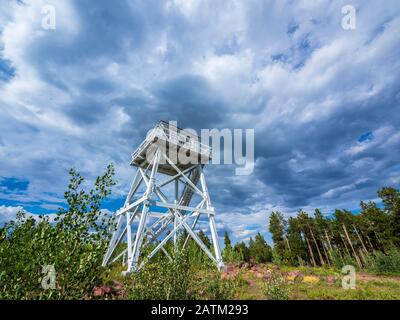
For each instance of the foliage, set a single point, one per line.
(341, 238)
(391, 199)
(277, 226)
(229, 253)
(74, 243)
(339, 260)
(259, 250)
(163, 279)
(242, 251)
(210, 286)
(369, 289)
(275, 287)
(196, 256)
(276, 257)
(385, 263)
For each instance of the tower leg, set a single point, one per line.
(211, 218)
(129, 236)
(175, 220)
(217, 249)
(112, 242)
(133, 256)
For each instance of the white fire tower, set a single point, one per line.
(179, 157)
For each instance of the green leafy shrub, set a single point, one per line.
(74, 244)
(161, 279)
(383, 263)
(179, 279)
(339, 260)
(210, 286)
(275, 287)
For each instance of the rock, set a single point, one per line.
(100, 291)
(229, 272)
(267, 275)
(331, 279)
(229, 268)
(292, 276)
(294, 273)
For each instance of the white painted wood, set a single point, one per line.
(178, 212)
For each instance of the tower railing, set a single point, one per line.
(175, 136)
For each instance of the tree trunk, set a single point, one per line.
(311, 253)
(359, 237)
(316, 245)
(351, 245)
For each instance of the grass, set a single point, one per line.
(377, 290)
(369, 286)
(248, 286)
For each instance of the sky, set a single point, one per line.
(323, 101)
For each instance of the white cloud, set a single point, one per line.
(8, 213)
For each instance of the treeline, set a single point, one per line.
(341, 238)
(365, 239)
(257, 250)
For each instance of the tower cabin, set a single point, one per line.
(177, 143)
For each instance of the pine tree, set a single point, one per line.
(298, 251)
(227, 242)
(259, 250)
(277, 225)
(228, 253)
(391, 199)
(242, 251)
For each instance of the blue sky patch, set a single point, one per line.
(6, 70)
(368, 136)
(13, 185)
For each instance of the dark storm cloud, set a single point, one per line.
(192, 101)
(85, 110)
(328, 164)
